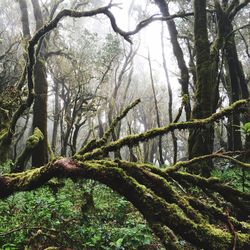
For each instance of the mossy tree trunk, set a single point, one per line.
(236, 82)
(201, 141)
(40, 153)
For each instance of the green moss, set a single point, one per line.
(35, 138)
(151, 204)
(93, 144)
(3, 133)
(31, 143)
(134, 140)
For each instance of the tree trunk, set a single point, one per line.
(170, 98)
(161, 160)
(200, 142)
(40, 154)
(57, 109)
(184, 79)
(24, 18)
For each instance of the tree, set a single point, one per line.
(184, 80)
(164, 196)
(201, 141)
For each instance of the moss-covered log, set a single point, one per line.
(239, 199)
(136, 185)
(200, 142)
(157, 193)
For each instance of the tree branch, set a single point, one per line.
(185, 164)
(235, 7)
(133, 140)
(154, 208)
(95, 144)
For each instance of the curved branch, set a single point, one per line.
(235, 7)
(133, 140)
(185, 164)
(154, 208)
(95, 144)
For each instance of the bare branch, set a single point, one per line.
(185, 164)
(235, 7)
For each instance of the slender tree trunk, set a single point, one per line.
(57, 109)
(184, 79)
(24, 18)
(40, 114)
(161, 160)
(40, 154)
(170, 97)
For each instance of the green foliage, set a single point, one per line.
(233, 176)
(6, 167)
(246, 128)
(111, 48)
(9, 247)
(93, 217)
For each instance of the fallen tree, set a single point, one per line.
(162, 195)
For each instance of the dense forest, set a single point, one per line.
(124, 124)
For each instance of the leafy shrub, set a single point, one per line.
(84, 215)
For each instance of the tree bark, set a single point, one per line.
(200, 142)
(24, 18)
(57, 109)
(40, 153)
(40, 114)
(184, 78)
